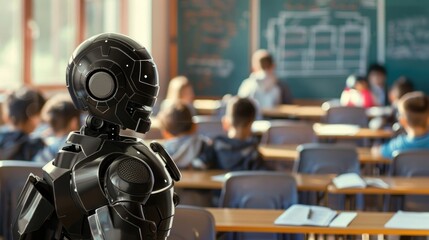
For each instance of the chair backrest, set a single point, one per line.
(288, 132)
(259, 189)
(347, 115)
(13, 175)
(209, 126)
(320, 158)
(412, 163)
(192, 223)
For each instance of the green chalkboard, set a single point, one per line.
(317, 44)
(407, 41)
(213, 44)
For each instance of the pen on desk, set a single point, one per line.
(309, 214)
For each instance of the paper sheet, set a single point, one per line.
(343, 219)
(409, 220)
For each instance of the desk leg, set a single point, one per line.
(380, 237)
(365, 236)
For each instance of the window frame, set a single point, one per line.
(27, 16)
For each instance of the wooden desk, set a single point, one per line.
(251, 220)
(398, 186)
(202, 180)
(288, 153)
(295, 111)
(361, 133)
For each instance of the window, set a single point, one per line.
(37, 37)
(54, 36)
(101, 16)
(10, 42)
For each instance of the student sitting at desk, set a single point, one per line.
(180, 89)
(183, 143)
(377, 81)
(357, 93)
(62, 117)
(22, 113)
(262, 84)
(413, 115)
(239, 149)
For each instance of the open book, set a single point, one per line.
(353, 180)
(409, 220)
(298, 215)
(336, 129)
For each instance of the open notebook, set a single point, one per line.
(353, 180)
(336, 129)
(300, 215)
(409, 220)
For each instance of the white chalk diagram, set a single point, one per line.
(408, 38)
(319, 43)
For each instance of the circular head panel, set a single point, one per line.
(101, 85)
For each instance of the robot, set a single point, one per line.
(103, 185)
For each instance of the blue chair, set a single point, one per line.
(318, 158)
(192, 223)
(258, 190)
(209, 126)
(411, 163)
(13, 175)
(347, 115)
(288, 132)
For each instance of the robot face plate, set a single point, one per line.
(114, 79)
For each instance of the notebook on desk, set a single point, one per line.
(336, 129)
(304, 215)
(409, 220)
(353, 180)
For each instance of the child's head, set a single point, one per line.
(413, 109)
(180, 88)
(22, 109)
(262, 60)
(399, 88)
(377, 75)
(240, 114)
(61, 115)
(176, 120)
(357, 82)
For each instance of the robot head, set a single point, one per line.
(115, 79)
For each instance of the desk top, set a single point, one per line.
(361, 133)
(398, 186)
(295, 111)
(203, 180)
(251, 220)
(288, 152)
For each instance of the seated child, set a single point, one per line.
(62, 117)
(262, 85)
(180, 89)
(413, 115)
(239, 149)
(22, 114)
(357, 93)
(377, 80)
(182, 142)
(399, 88)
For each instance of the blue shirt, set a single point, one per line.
(404, 142)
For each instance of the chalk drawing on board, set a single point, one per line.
(319, 43)
(408, 38)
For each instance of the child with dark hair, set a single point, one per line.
(239, 149)
(376, 76)
(413, 115)
(22, 113)
(62, 117)
(357, 93)
(183, 143)
(400, 87)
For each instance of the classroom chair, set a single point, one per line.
(288, 132)
(258, 190)
(411, 163)
(192, 223)
(13, 175)
(209, 126)
(347, 115)
(319, 158)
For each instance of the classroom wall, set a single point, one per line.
(381, 14)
